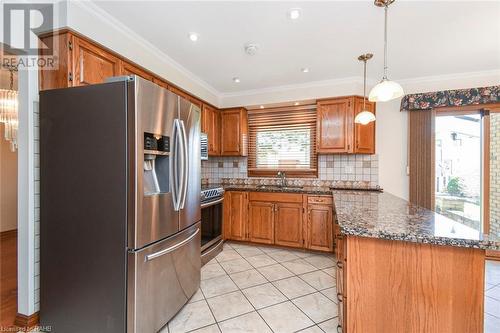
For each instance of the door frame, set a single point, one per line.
(485, 111)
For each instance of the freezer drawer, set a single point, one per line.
(162, 278)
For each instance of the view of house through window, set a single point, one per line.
(458, 168)
(285, 148)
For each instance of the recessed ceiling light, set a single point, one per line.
(294, 13)
(236, 79)
(296, 103)
(193, 36)
(304, 70)
(262, 106)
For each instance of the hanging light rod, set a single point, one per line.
(386, 90)
(365, 116)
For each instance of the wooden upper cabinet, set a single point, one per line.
(62, 77)
(235, 215)
(129, 69)
(364, 135)
(234, 132)
(334, 126)
(92, 64)
(160, 82)
(185, 95)
(261, 222)
(319, 227)
(336, 130)
(288, 229)
(210, 124)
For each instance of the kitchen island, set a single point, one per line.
(400, 267)
(403, 268)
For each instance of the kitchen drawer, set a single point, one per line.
(322, 200)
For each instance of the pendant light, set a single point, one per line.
(386, 90)
(8, 112)
(365, 116)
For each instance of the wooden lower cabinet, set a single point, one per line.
(288, 225)
(235, 215)
(319, 227)
(261, 222)
(286, 219)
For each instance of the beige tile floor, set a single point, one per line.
(261, 289)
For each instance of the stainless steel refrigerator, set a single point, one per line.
(120, 206)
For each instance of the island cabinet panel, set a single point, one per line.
(235, 215)
(397, 286)
(210, 124)
(261, 222)
(334, 126)
(319, 227)
(336, 131)
(129, 69)
(92, 64)
(234, 132)
(288, 224)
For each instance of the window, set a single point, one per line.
(282, 139)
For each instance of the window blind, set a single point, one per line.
(282, 139)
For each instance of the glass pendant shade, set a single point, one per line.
(364, 117)
(385, 91)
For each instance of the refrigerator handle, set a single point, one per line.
(175, 162)
(185, 165)
(171, 248)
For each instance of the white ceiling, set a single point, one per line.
(426, 38)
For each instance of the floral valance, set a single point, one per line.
(460, 97)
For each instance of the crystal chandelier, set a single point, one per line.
(8, 112)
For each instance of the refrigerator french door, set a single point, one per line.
(120, 232)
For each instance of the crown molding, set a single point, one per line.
(104, 16)
(306, 85)
(446, 77)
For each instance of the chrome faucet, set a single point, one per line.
(282, 177)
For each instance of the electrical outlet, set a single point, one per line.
(348, 169)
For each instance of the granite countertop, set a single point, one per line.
(382, 215)
(302, 190)
(385, 216)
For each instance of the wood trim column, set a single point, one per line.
(421, 129)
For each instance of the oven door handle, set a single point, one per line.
(211, 203)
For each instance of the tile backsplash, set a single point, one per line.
(342, 170)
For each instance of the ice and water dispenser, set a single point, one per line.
(156, 164)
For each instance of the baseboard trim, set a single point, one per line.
(26, 322)
(4, 235)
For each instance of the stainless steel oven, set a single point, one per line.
(212, 200)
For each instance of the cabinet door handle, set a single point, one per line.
(339, 329)
(339, 297)
(340, 265)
